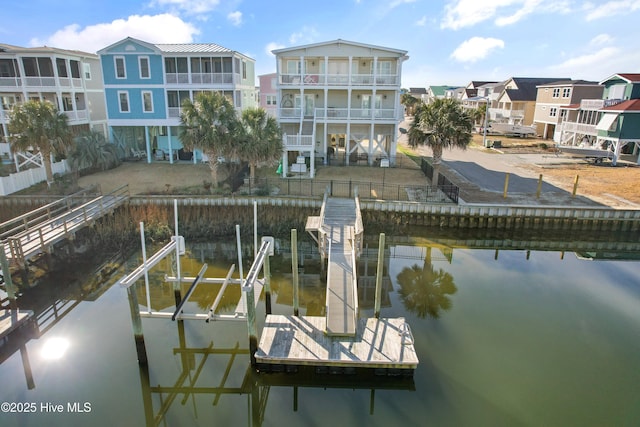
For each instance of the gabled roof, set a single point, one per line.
(128, 40)
(338, 41)
(628, 77)
(632, 105)
(476, 84)
(440, 90)
(527, 87)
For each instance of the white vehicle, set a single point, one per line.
(510, 130)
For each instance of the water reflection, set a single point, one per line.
(424, 290)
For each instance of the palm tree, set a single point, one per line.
(39, 125)
(409, 102)
(440, 124)
(260, 139)
(209, 123)
(424, 290)
(93, 151)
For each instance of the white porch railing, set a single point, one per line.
(596, 104)
(290, 113)
(338, 79)
(77, 115)
(581, 128)
(10, 82)
(40, 81)
(202, 78)
(174, 112)
(298, 140)
(356, 114)
(25, 179)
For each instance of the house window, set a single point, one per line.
(87, 71)
(123, 102)
(244, 70)
(121, 72)
(566, 92)
(75, 69)
(271, 100)
(61, 65)
(384, 68)
(553, 112)
(294, 67)
(556, 92)
(563, 115)
(147, 101)
(144, 67)
(67, 103)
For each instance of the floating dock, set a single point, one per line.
(383, 344)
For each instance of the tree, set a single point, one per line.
(424, 290)
(39, 125)
(260, 138)
(440, 124)
(93, 151)
(410, 102)
(209, 123)
(478, 114)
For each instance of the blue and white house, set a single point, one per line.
(145, 85)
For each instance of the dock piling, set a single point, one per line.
(294, 269)
(379, 271)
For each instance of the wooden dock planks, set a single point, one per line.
(338, 222)
(378, 343)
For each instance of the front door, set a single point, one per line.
(309, 104)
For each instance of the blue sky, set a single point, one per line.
(448, 41)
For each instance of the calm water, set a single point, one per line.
(504, 338)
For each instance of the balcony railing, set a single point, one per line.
(581, 128)
(10, 82)
(77, 115)
(298, 140)
(339, 80)
(596, 104)
(498, 113)
(199, 78)
(40, 81)
(339, 114)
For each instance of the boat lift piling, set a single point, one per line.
(294, 270)
(379, 271)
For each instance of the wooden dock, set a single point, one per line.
(339, 229)
(385, 344)
(39, 238)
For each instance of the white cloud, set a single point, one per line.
(528, 7)
(601, 39)
(466, 13)
(190, 7)
(610, 8)
(397, 3)
(235, 18)
(152, 29)
(588, 60)
(272, 46)
(305, 36)
(422, 21)
(476, 48)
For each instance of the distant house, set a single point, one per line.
(552, 96)
(340, 102)
(71, 80)
(418, 93)
(145, 85)
(471, 90)
(440, 92)
(516, 103)
(268, 93)
(612, 121)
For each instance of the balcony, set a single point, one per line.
(339, 80)
(10, 82)
(503, 113)
(581, 128)
(597, 104)
(77, 115)
(332, 114)
(302, 142)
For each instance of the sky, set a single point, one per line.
(449, 42)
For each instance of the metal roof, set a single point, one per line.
(193, 48)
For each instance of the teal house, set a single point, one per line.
(145, 85)
(619, 124)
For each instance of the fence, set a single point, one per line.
(443, 184)
(365, 189)
(25, 179)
